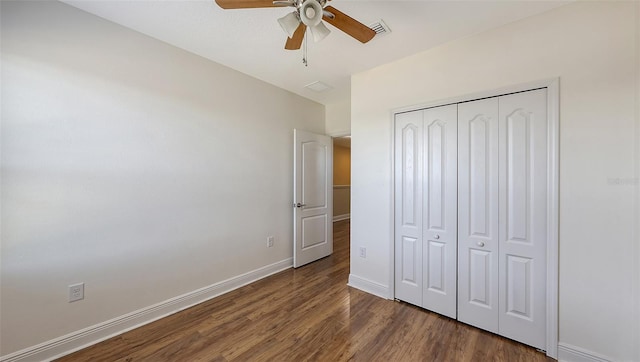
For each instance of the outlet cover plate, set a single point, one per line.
(76, 292)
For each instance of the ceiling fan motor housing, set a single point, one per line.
(311, 13)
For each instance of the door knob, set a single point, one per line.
(480, 243)
(299, 205)
(436, 236)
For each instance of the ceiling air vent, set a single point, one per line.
(318, 86)
(380, 28)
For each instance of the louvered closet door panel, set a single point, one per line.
(440, 209)
(478, 213)
(408, 207)
(523, 216)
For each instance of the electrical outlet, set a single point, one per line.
(363, 252)
(76, 292)
(270, 241)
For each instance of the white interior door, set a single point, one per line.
(523, 216)
(425, 208)
(440, 209)
(408, 207)
(472, 183)
(312, 197)
(478, 213)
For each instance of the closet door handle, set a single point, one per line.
(436, 236)
(480, 243)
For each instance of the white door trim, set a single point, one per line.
(553, 109)
(553, 203)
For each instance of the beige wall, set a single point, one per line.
(338, 119)
(128, 164)
(341, 165)
(341, 180)
(341, 201)
(593, 48)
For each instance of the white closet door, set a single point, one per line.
(523, 216)
(440, 210)
(471, 199)
(478, 213)
(408, 207)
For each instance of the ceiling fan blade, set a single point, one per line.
(349, 25)
(245, 4)
(295, 42)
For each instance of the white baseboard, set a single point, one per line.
(569, 353)
(341, 217)
(369, 286)
(83, 338)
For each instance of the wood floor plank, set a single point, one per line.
(307, 314)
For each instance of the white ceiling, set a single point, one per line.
(251, 40)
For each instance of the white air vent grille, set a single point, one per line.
(318, 86)
(380, 28)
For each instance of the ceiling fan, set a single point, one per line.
(307, 13)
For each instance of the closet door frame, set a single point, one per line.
(553, 127)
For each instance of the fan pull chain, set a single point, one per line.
(305, 61)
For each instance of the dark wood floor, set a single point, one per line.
(307, 314)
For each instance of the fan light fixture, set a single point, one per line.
(307, 14)
(311, 13)
(289, 23)
(319, 32)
